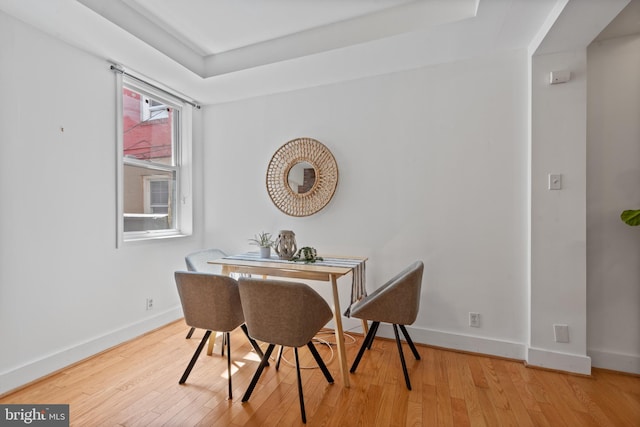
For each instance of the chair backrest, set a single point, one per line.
(209, 301)
(198, 261)
(282, 312)
(397, 301)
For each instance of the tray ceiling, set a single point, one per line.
(215, 26)
(214, 37)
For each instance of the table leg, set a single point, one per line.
(337, 317)
(212, 339)
(365, 328)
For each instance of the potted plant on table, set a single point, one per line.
(265, 242)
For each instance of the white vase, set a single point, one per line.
(265, 251)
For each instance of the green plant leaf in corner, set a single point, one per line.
(631, 217)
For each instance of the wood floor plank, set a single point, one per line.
(513, 402)
(428, 366)
(538, 418)
(400, 407)
(553, 415)
(371, 402)
(522, 387)
(477, 371)
(414, 414)
(459, 413)
(480, 414)
(454, 369)
(443, 392)
(385, 409)
(136, 384)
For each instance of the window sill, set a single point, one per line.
(145, 236)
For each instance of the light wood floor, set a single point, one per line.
(136, 384)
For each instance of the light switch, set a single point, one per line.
(555, 181)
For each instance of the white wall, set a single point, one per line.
(558, 217)
(433, 166)
(613, 185)
(572, 244)
(66, 292)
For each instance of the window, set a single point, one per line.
(157, 194)
(154, 140)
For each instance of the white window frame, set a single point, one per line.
(182, 164)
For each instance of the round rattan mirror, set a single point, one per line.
(302, 177)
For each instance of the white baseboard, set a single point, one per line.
(615, 361)
(533, 356)
(493, 347)
(451, 341)
(469, 343)
(46, 365)
(574, 363)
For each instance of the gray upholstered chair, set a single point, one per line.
(283, 313)
(396, 302)
(198, 261)
(211, 302)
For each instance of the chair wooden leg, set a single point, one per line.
(256, 376)
(411, 345)
(194, 358)
(304, 415)
(320, 362)
(228, 338)
(404, 365)
(190, 333)
(365, 344)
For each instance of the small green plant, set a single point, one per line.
(307, 255)
(631, 217)
(263, 240)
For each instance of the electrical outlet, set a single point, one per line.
(149, 303)
(561, 332)
(474, 319)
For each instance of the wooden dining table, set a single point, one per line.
(327, 270)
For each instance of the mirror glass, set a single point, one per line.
(301, 177)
